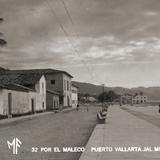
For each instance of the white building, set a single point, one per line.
(15, 99)
(74, 95)
(22, 94)
(137, 99)
(53, 100)
(56, 81)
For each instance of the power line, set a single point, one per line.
(67, 11)
(76, 35)
(67, 35)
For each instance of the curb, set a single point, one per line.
(95, 141)
(68, 110)
(9, 121)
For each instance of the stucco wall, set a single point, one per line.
(58, 86)
(60, 80)
(56, 102)
(40, 96)
(74, 97)
(49, 101)
(20, 102)
(52, 101)
(1, 102)
(67, 92)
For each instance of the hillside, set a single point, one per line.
(153, 93)
(96, 89)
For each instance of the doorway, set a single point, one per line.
(9, 103)
(32, 106)
(68, 101)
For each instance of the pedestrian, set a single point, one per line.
(78, 107)
(87, 108)
(159, 108)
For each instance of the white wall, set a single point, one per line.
(40, 95)
(74, 97)
(67, 93)
(1, 102)
(20, 102)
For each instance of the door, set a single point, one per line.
(68, 101)
(9, 103)
(32, 106)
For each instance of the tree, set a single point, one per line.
(141, 93)
(109, 96)
(2, 41)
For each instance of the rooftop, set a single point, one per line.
(39, 71)
(16, 87)
(74, 85)
(28, 80)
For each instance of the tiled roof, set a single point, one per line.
(28, 80)
(40, 71)
(15, 87)
(74, 85)
(1, 68)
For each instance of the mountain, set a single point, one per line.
(153, 93)
(97, 89)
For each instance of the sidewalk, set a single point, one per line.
(123, 130)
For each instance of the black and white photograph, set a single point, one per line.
(79, 79)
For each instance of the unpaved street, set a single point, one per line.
(68, 129)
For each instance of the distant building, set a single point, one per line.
(74, 96)
(22, 93)
(137, 99)
(88, 99)
(91, 99)
(126, 98)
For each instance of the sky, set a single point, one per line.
(111, 42)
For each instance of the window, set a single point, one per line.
(64, 84)
(43, 105)
(67, 85)
(43, 89)
(53, 81)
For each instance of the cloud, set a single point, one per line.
(151, 13)
(110, 33)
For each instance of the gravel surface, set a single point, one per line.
(70, 129)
